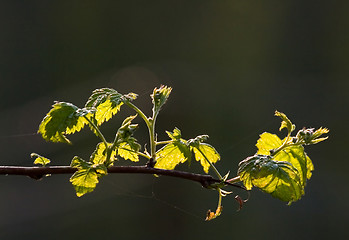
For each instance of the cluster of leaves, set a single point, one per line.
(65, 118)
(280, 167)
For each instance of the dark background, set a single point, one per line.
(231, 65)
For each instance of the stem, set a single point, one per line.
(234, 180)
(39, 172)
(98, 132)
(151, 128)
(163, 142)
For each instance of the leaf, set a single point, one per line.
(267, 142)
(63, 118)
(99, 156)
(203, 151)
(286, 123)
(293, 154)
(107, 103)
(40, 159)
(171, 155)
(128, 152)
(84, 181)
(278, 178)
(159, 97)
(174, 153)
(86, 177)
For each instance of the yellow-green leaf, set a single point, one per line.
(99, 156)
(286, 123)
(267, 142)
(107, 103)
(278, 178)
(171, 155)
(126, 152)
(63, 118)
(203, 151)
(84, 181)
(40, 159)
(293, 154)
(105, 111)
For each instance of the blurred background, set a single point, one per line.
(231, 65)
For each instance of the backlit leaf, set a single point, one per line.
(293, 154)
(173, 153)
(126, 151)
(107, 103)
(278, 178)
(286, 123)
(40, 159)
(86, 177)
(203, 151)
(99, 156)
(63, 118)
(160, 96)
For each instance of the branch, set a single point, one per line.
(39, 172)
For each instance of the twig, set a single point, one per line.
(39, 172)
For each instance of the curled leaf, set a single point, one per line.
(40, 159)
(64, 118)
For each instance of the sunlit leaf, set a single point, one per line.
(40, 159)
(278, 178)
(267, 142)
(107, 103)
(160, 96)
(63, 118)
(99, 156)
(86, 177)
(173, 153)
(203, 151)
(286, 123)
(127, 152)
(294, 154)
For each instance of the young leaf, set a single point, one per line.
(86, 177)
(309, 136)
(107, 103)
(286, 123)
(128, 151)
(173, 153)
(99, 156)
(40, 159)
(203, 151)
(293, 154)
(278, 178)
(159, 97)
(63, 118)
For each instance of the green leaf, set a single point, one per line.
(159, 97)
(86, 177)
(107, 103)
(40, 159)
(267, 142)
(293, 154)
(128, 152)
(278, 178)
(286, 123)
(174, 153)
(63, 118)
(203, 151)
(99, 156)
